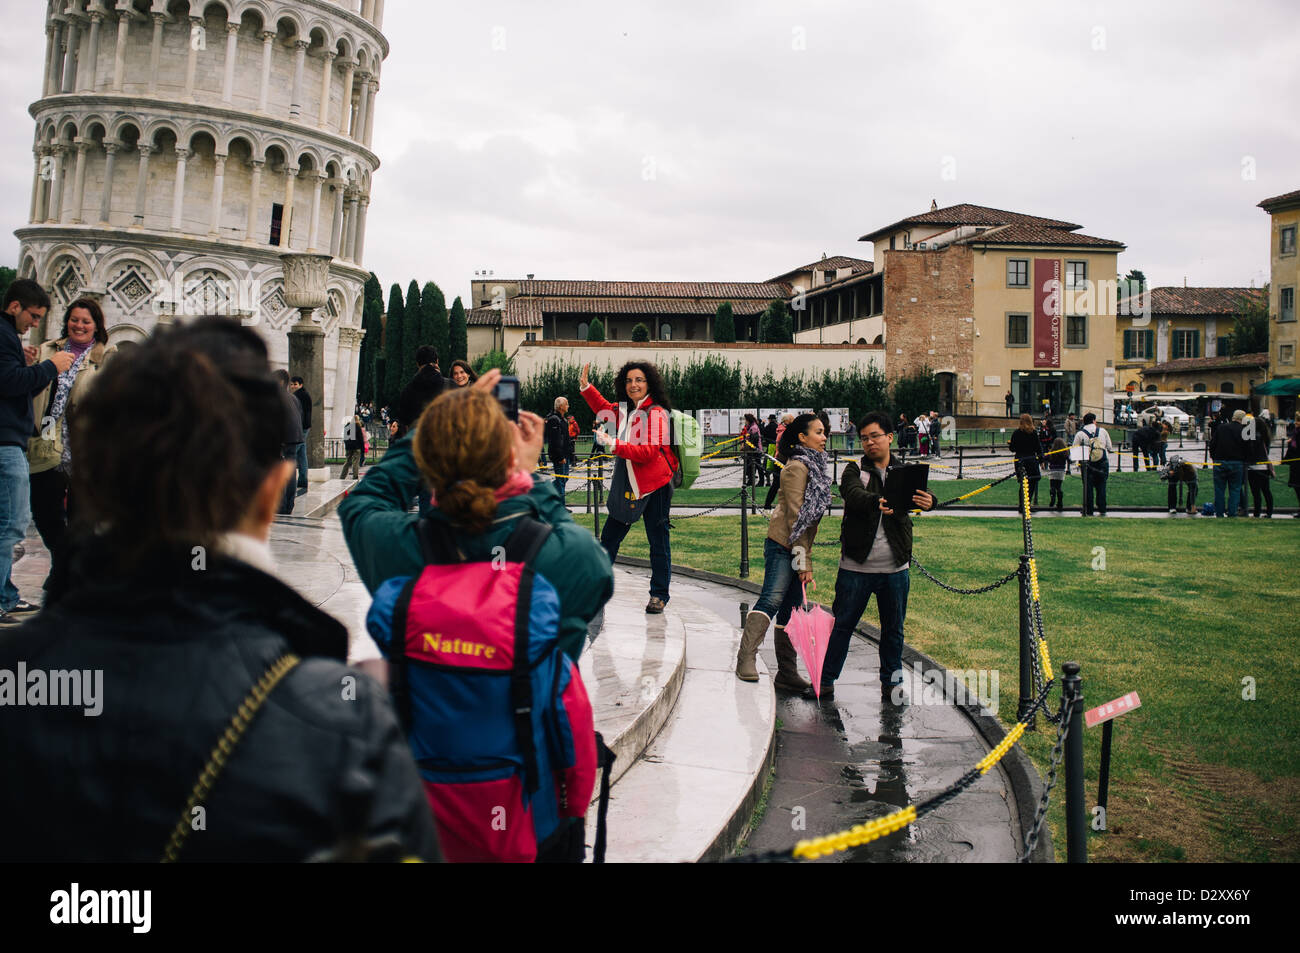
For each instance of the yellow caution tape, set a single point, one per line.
(1033, 577)
(994, 756)
(1047, 659)
(856, 835)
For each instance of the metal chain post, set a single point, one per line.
(1076, 813)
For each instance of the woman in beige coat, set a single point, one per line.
(85, 335)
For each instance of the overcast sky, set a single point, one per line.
(735, 140)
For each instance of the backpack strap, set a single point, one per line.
(437, 547)
(398, 686)
(605, 761)
(522, 546)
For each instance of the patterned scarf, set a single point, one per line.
(816, 495)
(60, 402)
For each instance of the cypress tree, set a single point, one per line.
(412, 331)
(458, 333)
(372, 323)
(640, 333)
(596, 330)
(724, 325)
(433, 311)
(393, 334)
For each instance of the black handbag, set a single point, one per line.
(622, 506)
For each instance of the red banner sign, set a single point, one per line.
(1106, 712)
(1047, 312)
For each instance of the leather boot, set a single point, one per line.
(787, 665)
(756, 624)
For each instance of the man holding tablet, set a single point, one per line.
(876, 551)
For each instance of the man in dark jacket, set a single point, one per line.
(25, 303)
(424, 387)
(559, 445)
(1228, 451)
(292, 439)
(876, 551)
(304, 402)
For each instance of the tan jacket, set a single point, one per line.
(794, 479)
(92, 365)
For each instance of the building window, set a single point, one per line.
(1076, 330)
(665, 332)
(1152, 388)
(891, 248)
(1198, 388)
(1076, 274)
(612, 332)
(277, 216)
(1287, 246)
(530, 336)
(1017, 330)
(1017, 272)
(1286, 354)
(582, 330)
(1287, 302)
(1139, 345)
(1226, 387)
(1186, 344)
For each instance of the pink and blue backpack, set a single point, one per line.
(497, 716)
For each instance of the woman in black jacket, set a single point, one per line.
(1025, 445)
(211, 716)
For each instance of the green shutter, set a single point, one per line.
(1196, 344)
(1151, 344)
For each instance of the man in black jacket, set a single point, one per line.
(25, 303)
(876, 550)
(304, 401)
(292, 440)
(559, 445)
(423, 389)
(1228, 451)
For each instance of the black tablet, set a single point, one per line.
(901, 483)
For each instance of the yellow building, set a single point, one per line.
(1283, 333)
(998, 302)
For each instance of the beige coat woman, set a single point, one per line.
(99, 353)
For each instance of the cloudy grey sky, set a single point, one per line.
(735, 140)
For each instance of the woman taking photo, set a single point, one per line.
(217, 686)
(644, 461)
(787, 552)
(50, 451)
(1024, 444)
(462, 375)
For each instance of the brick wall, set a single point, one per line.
(929, 303)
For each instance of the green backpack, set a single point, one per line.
(684, 431)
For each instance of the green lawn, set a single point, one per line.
(1185, 612)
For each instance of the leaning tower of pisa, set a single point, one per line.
(182, 145)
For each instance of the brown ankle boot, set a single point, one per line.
(756, 624)
(787, 665)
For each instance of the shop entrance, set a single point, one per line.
(1061, 388)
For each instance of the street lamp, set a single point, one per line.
(306, 278)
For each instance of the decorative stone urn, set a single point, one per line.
(306, 278)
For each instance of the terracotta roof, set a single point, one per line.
(966, 214)
(1280, 201)
(1031, 233)
(530, 312)
(1208, 363)
(721, 290)
(1192, 301)
(832, 263)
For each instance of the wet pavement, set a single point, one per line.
(854, 759)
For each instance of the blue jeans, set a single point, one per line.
(15, 514)
(290, 451)
(561, 473)
(1229, 474)
(780, 592)
(656, 534)
(852, 590)
(302, 462)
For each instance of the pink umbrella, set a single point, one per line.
(809, 629)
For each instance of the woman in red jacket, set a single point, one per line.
(643, 466)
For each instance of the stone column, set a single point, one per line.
(345, 105)
(305, 288)
(361, 227)
(254, 196)
(60, 151)
(192, 60)
(119, 54)
(79, 180)
(343, 401)
(90, 78)
(54, 76)
(378, 21)
(354, 371)
(106, 198)
(336, 226)
(70, 60)
(327, 73)
(38, 186)
(218, 186)
(349, 223)
(373, 86)
(178, 195)
(358, 127)
(286, 218)
(367, 9)
(142, 182)
(155, 51)
(267, 37)
(50, 47)
(299, 58)
(318, 180)
(232, 41)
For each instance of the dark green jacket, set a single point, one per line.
(381, 535)
(862, 516)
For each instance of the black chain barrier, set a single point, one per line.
(1058, 752)
(964, 592)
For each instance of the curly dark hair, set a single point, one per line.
(790, 436)
(654, 383)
